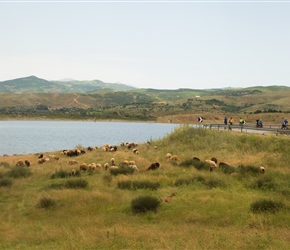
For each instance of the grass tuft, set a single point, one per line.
(266, 206)
(144, 204)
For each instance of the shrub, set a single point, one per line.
(59, 174)
(200, 165)
(18, 172)
(5, 182)
(124, 184)
(265, 205)
(248, 169)
(187, 163)
(145, 185)
(227, 169)
(265, 183)
(76, 183)
(4, 164)
(46, 203)
(143, 204)
(188, 181)
(214, 183)
(122, 170)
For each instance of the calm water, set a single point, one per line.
(27, 137)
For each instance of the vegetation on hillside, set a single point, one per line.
(235, 206)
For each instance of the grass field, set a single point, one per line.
(234, 207)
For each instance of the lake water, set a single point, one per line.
(27, 137)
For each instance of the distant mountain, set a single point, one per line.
(37, 85)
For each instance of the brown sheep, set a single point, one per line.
(262, 170)
(167, 198)
(73, 172)
(214, 159)
(168, 156)
(72, 162)
(40, 160)
(174, 158)
(84, 166)
(153, 166)
(20, 163)
(27, 163)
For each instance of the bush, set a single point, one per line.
(46, 203)
(122, 170)
(143, 204)
(187, 181)
(266, 206)
(124, 184)
(227, 169)
(145, 185)
(18, 172)
(5, 182)
(76, 183)
(187, 163)
(214, 183)
(265, 183)
(200, 165)
(248, 169)
(59, 174)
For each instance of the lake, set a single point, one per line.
(28, 137)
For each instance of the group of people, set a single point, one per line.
(259, 122)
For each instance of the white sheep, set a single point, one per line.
(134, 167)
(168, 156)
(262, 170)
(212, 164)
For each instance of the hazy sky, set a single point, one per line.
(161, 45)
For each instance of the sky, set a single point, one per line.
(148, 44)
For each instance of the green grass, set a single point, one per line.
(234, 207)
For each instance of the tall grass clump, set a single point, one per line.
(189, 181)
(4, 164)
(122, 170)
(5, 182)
(76, 183)
(60, 174)
(19, 172)
(266, 206)
(248, 170)
(266, 183)
(144, 204)
(46, 203)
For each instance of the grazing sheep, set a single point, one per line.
(167, 198)
(195, 158)
(40, 156)
(174, 158)
(27, 163)
(112, 160)
(262, 170)
(122, 144)
(214, 159)
(73, 172)
(212, 164)
(99, 165)
(224, 164)
(131, 163)
(154, 166)
(53, 157)
(113, 167)
(90, 148)
(20, 163)
(134, 167)
(40, 161)
(84, 166)
(155, 147)
(168, 156)
(72, 162)
(106, 166)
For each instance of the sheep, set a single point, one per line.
(19, 163)
(135, 151)
(99, 166)
(27, 163)
(53, 157)
(134, 167)
(40, 161)
(174, 158)
(154, 166)
(106, 166)
(73, 172)
(168, 156)
(40, 156)
(72, 162)
(131, 163)
(212, 164)
(112, 160)
(155, 148)
(262, 170)
(167, 198)
(195, 159)
(214, 159)
(83, 166)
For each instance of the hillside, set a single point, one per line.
(53, 204)
(37, 85)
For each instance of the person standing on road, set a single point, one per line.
(226, 121)
(231, 121)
